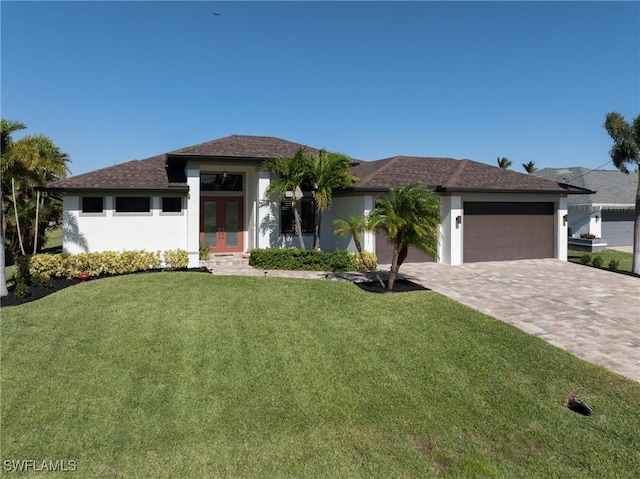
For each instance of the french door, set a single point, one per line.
(221, 224)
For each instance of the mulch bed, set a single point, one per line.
(400, 286)
(59, 284)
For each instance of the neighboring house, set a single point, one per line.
(609, 213)
(214, 192)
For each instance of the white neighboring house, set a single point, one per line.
(608, 213)
(214, 193)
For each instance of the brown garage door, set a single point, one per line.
(496, 231)
(384, 251)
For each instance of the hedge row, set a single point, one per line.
(308, 260)
(47, 266)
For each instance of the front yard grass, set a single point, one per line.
(626, 259)
(192, 375)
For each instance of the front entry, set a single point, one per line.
(221, 224)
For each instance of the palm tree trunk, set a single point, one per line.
(15, 209)
(635, 268)
(298, 224)
(36, 229)
(365, 261)
(393, 273)
(316, 230)
(3, 273)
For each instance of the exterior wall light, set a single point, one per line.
(458, 221)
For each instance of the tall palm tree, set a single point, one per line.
(504, 162)
(7, 127)
(326, 171)
(289, 175)
(354, 226)
(410, 216)
(529, 167)
(625, 153)
(27, 164)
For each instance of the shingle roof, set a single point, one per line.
(242, 146)
(151, 173)
(448, 174)
(612, 187)
(445, 174)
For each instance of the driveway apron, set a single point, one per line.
(591, 313)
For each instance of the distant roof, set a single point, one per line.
(166, 171)
(449, 175)
(613, 189)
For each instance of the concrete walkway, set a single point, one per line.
(593, 314)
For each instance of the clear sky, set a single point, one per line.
(531, 81)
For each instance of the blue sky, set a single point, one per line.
(532, 81)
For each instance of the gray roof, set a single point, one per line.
(613, 189)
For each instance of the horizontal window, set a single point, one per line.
(92, 204)
(133, 204)
(221, 182)
(171, 205)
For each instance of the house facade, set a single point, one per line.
(214, 193)
(608, 213)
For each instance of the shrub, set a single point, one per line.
(22, 289)
(358, 265)
(614, 264)
(176, 259)
(23, 270)
(585, 258)
(205, 251)
(596, 261)
(304, 260)
(39, 281)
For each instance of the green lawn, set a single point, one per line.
(193, 375)
(625, 259)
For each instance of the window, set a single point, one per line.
(171, 205)
(92, 204)
(133, 204)
(221, 182)
(308, 216)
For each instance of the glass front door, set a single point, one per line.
(221, 224)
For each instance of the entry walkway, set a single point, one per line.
(593, 314)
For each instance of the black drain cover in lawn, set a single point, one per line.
(400, 286)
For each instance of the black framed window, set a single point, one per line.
(133, 204)
(220, 182)
(171, 204)
(307, 216)
(92, 204)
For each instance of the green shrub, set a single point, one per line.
(596, 261)
(614, 264)
(205, 251)
(304, 260)
(23, 269)
(176, 259)
(39, 281)
(22, 289)
(585, 258)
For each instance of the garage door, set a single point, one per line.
(617, 227)
(384, 251)
(494, 231)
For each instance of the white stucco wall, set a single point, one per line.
(111, 231)
(341, 208)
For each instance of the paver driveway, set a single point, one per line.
(594, 314)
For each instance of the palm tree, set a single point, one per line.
(27, 164)
(529, 167)
(504, 162)
(289, 175)
(410, 216)
(625, 153)
(326, 171)
(354, 226)
(7, 127)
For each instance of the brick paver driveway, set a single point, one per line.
(593, 314)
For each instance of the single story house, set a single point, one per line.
(214, 192)
(609, 213)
